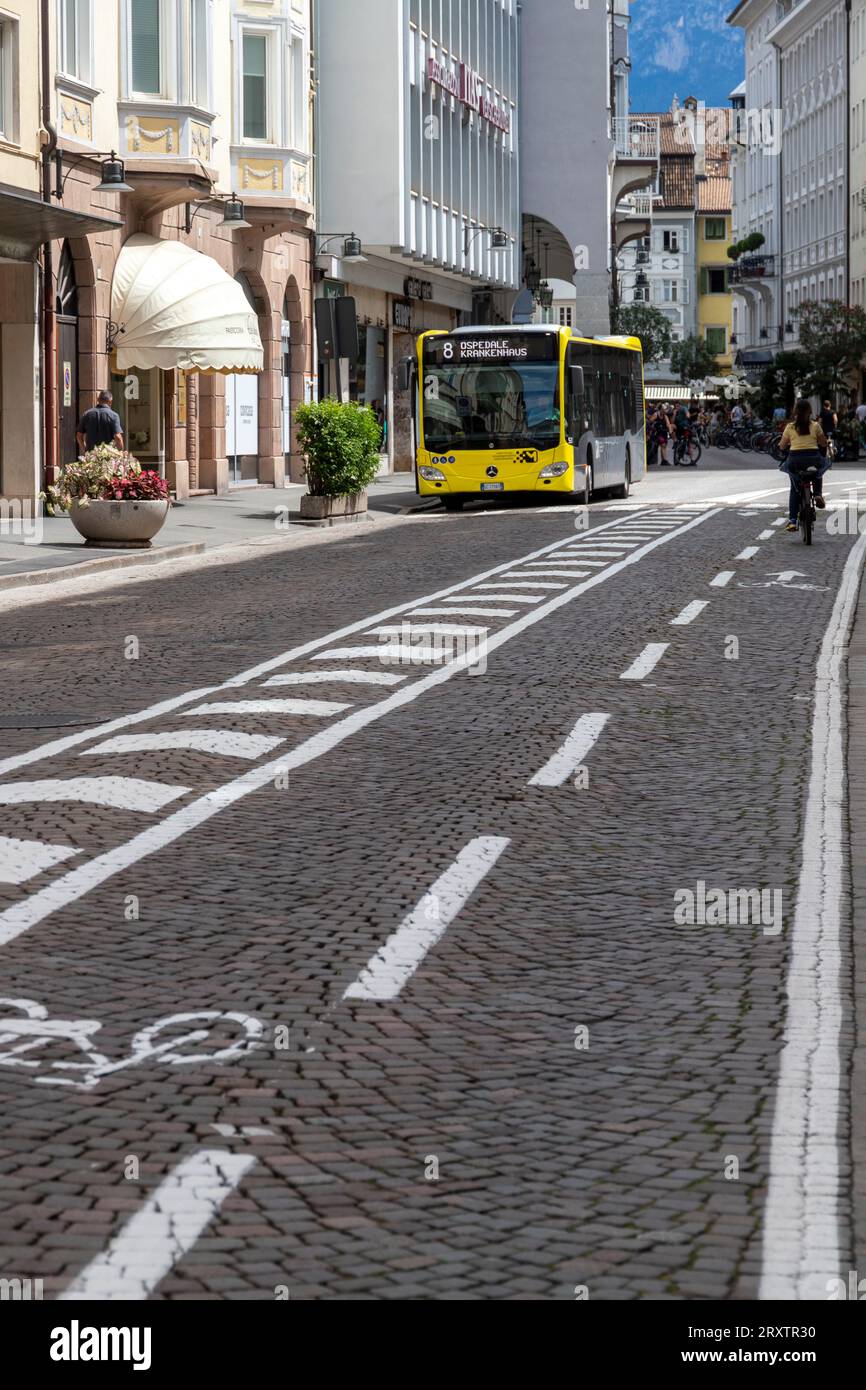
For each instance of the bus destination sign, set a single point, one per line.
(492, 347)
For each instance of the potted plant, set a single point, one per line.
(340, 443)
(111, 500)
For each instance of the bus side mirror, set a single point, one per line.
(404, 373)
(577, 384)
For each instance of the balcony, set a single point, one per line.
(636, 139)
(752, 268)
(162, 131)
(639, 204)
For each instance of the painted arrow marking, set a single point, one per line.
(21, 860)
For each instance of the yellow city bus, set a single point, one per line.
(527, 410)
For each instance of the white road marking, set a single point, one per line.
(163, 1230)
(394, 964)
(782, 521)
(121, 793)
(801, 1214)
(532, 582)
(265, 668)
(646, 662)
(688, 615)
(749, 553)
(443, 629)
(607, 548)
(385, 652)
(20, 917)
(565, 567)
(319, 708)
(513, 598)
(766, 536)
(463, 612)
(722, 580)
(516, 584)
(21, 860)
(338, 677)
(570, 756)
(225, 743)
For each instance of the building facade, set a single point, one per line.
(811, 39)
(583, 155)
(199, 99)
(418, 128)
(756, 145)
(857, 119)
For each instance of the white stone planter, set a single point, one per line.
(119, 525)
(332, 510)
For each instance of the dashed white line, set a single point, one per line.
(163, 1230)
(533, 582)
(336, 678)
(570, 756)
(21, 860)
(766, 536)
(394, 964)
(464, 612)
(119, 793)
(513, 598)
(646, 662)
(749, 553)
(387, 653)
(688, 615)
(320, 708)
(224, 743)
(722, 580)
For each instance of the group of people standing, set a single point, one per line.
(665, 424)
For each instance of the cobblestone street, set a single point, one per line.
(343, 963)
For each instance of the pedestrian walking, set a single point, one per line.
(100, 425)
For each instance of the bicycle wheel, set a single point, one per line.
(228, 1035)
(695, 453)
(722, 440)
(807, 514)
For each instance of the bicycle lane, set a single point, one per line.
(340, 906)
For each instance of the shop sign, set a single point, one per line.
(67, 383)
(403, 315)
(468, 88)
(418, 289)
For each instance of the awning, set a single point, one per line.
(755, 357)
(673, 393)
(26, 222)
(174, 307)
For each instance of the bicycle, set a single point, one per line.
(687, 447)
(22, 1036)
(808, 514)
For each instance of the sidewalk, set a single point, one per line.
(193, 526)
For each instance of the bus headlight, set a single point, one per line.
(432, 475)
(554, 470)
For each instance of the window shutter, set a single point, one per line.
(684, 286)
(684, 236)
(705, 280)
(145, 46)
(658, 241)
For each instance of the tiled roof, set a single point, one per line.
(714, 194)
(677, 182)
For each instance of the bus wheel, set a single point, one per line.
(622, 491)
(452, 504)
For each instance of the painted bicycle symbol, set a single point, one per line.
(26, 1030)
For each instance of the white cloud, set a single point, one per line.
(672, 50)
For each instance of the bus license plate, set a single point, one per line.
(492, 487)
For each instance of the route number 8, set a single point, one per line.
(448, 352)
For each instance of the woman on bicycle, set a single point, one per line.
(803, 445)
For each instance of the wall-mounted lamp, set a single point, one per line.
(112, 169)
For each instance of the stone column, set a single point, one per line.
(213, 462)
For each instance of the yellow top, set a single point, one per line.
(799, 442)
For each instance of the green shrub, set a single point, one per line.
(340, 443)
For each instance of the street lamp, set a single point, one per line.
(233, 212)
(112, 169)
(353, 252)
(545, 295)
(498, 238)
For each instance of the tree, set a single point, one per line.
(650, 325)
(781, 382)
(833, 338)
(692, 360)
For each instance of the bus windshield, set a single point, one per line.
(471, 406)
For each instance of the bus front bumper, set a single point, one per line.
(467, 486)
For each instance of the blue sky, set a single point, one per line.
(683, 47)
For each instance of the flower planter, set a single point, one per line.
(119, 525)
(332, 511)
